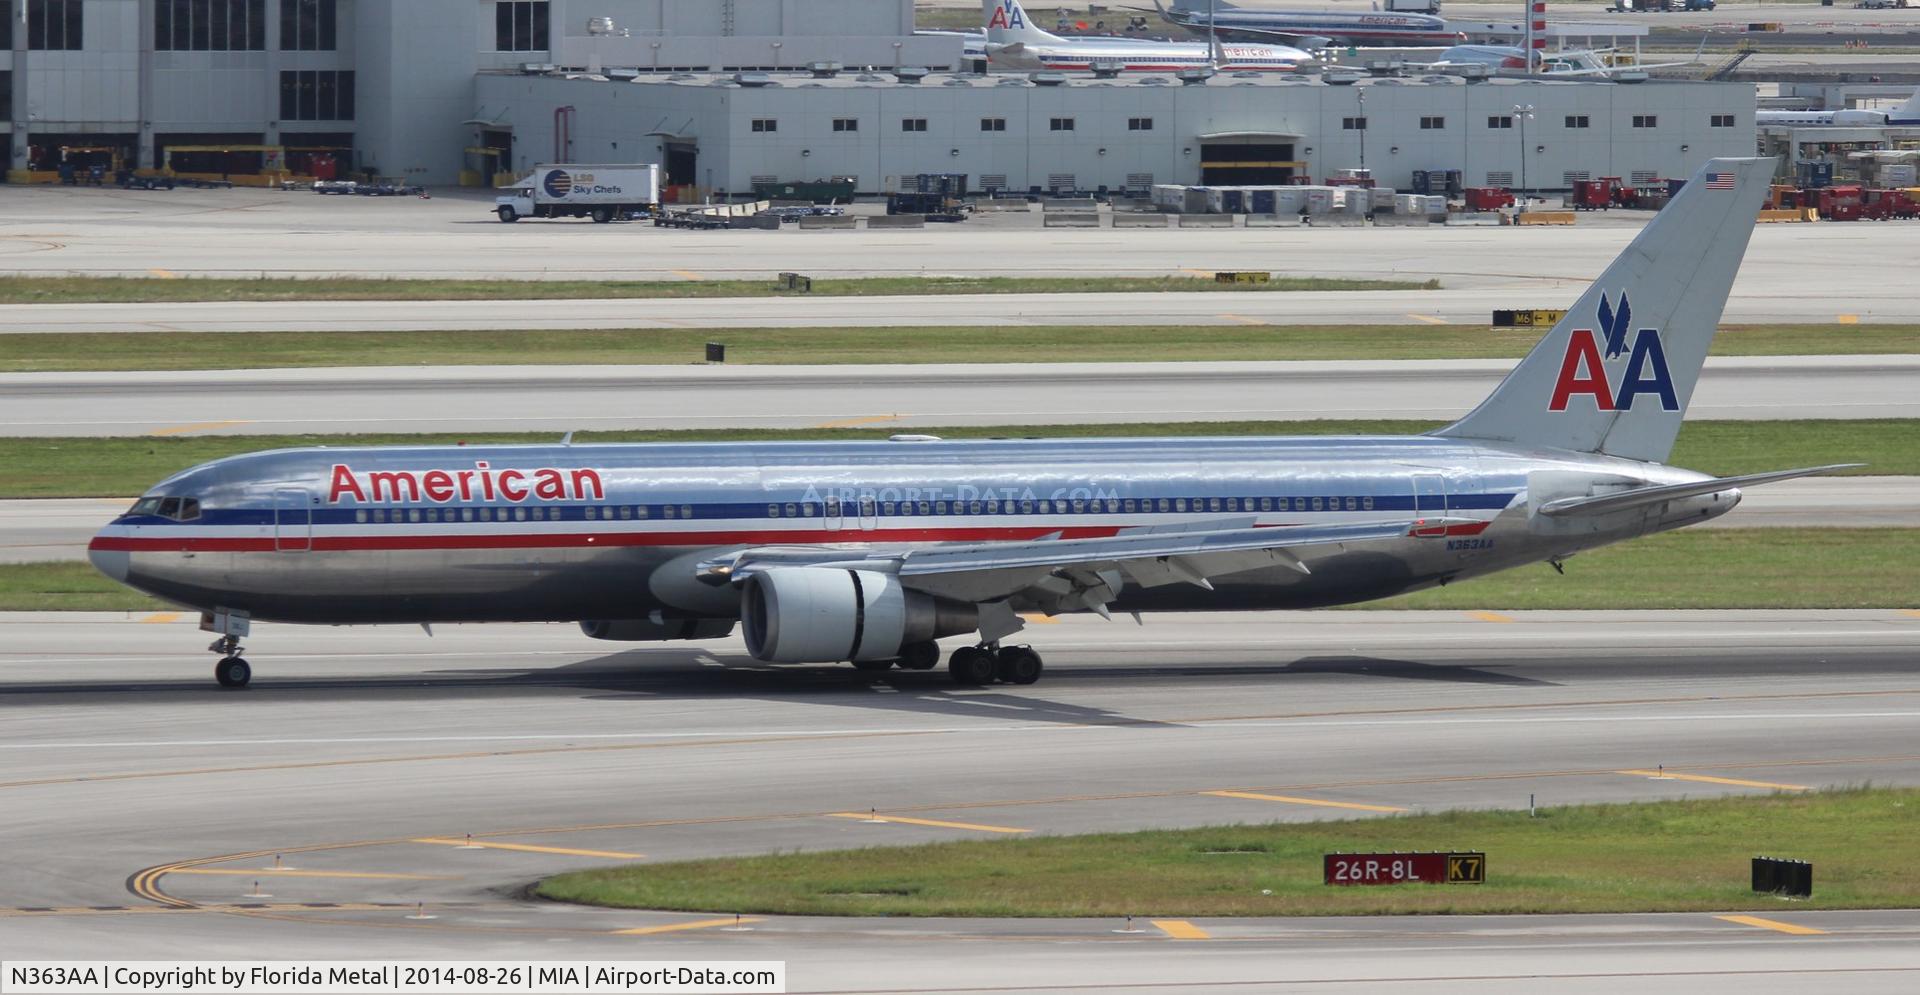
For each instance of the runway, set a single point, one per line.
(58, 529)
(567, 398)
(360, 758)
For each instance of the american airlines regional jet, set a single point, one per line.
(870, 551)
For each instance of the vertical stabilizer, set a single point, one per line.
(1907, 113)
(1615, 375)
(1008, 24)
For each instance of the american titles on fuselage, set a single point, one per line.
(481, 483)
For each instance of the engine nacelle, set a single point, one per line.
(646, 630)
(825, 615)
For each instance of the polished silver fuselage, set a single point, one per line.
(616, 530)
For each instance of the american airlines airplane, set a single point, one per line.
(1014, 43)
(1309, 28)
(869, 552)
(1905, 114)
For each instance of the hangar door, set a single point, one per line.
(1254, 160)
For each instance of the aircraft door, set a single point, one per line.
(292, 521)
(1429, 503)
(869, 512)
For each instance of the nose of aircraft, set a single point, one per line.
(112, 562)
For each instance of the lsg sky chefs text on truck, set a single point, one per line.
(600, 192)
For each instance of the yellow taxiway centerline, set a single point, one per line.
(1180, 929)
(1773, 924)
(1490, 616)
(868, 817)
(204, 426)
(1256, 796)
(285, 872)
(161, 618)
(1706, 779)
(529, 848)
(1431, 319)
(681, 927)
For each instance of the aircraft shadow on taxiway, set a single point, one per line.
(662, 675)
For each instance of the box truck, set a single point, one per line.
(600, 192)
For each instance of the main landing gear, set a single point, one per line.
(973, 666)
(233, 671)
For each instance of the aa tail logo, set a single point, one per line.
(1008, 16)
(1583, 371)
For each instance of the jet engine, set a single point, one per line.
(646, 630)
(826, 615)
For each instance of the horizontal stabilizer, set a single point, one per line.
(1641, 496)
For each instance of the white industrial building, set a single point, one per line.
(390, 80)
(718, 91)
(1013, 133)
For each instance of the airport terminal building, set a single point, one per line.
(720, 92)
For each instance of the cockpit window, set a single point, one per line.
(177, 508)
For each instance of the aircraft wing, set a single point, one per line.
(1639, 496)
(1071, 574)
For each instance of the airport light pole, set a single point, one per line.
(1362, 94)
(1523, 113)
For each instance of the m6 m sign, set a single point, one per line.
(1406, 868)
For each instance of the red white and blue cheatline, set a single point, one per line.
(1719, 181)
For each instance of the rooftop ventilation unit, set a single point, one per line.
(1248, 74)
(1343, 79)
(869, 78)
(1383, 67)
(1191, 77)
(824, 70)
(1475, 73)
(1048, 79)
(754, 79)
(1632, 76)
(1011, 81)
(959, 83)
(537, 68)
(910, 74)
(1155, 81)
(1106, 68)
(627, 74)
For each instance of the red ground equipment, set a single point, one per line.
(1839, 203)
(1488, 198)
(1593, 195)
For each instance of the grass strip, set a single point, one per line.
(1671, 856)
(106, 351)
(149, 290)
(1696, 568)
(39, 467)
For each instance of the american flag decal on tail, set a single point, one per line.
(1719, 181)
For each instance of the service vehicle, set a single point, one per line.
(601, 192)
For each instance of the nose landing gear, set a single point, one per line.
(233, 671)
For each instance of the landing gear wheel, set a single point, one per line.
(1017, 665)
(233, 672)
(971, 666)
(508, 214)
(602, 215)
(873, 664)
(920, 656)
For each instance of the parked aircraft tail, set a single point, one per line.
(1008, 24)
(1615, 375)
(1907, 113)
